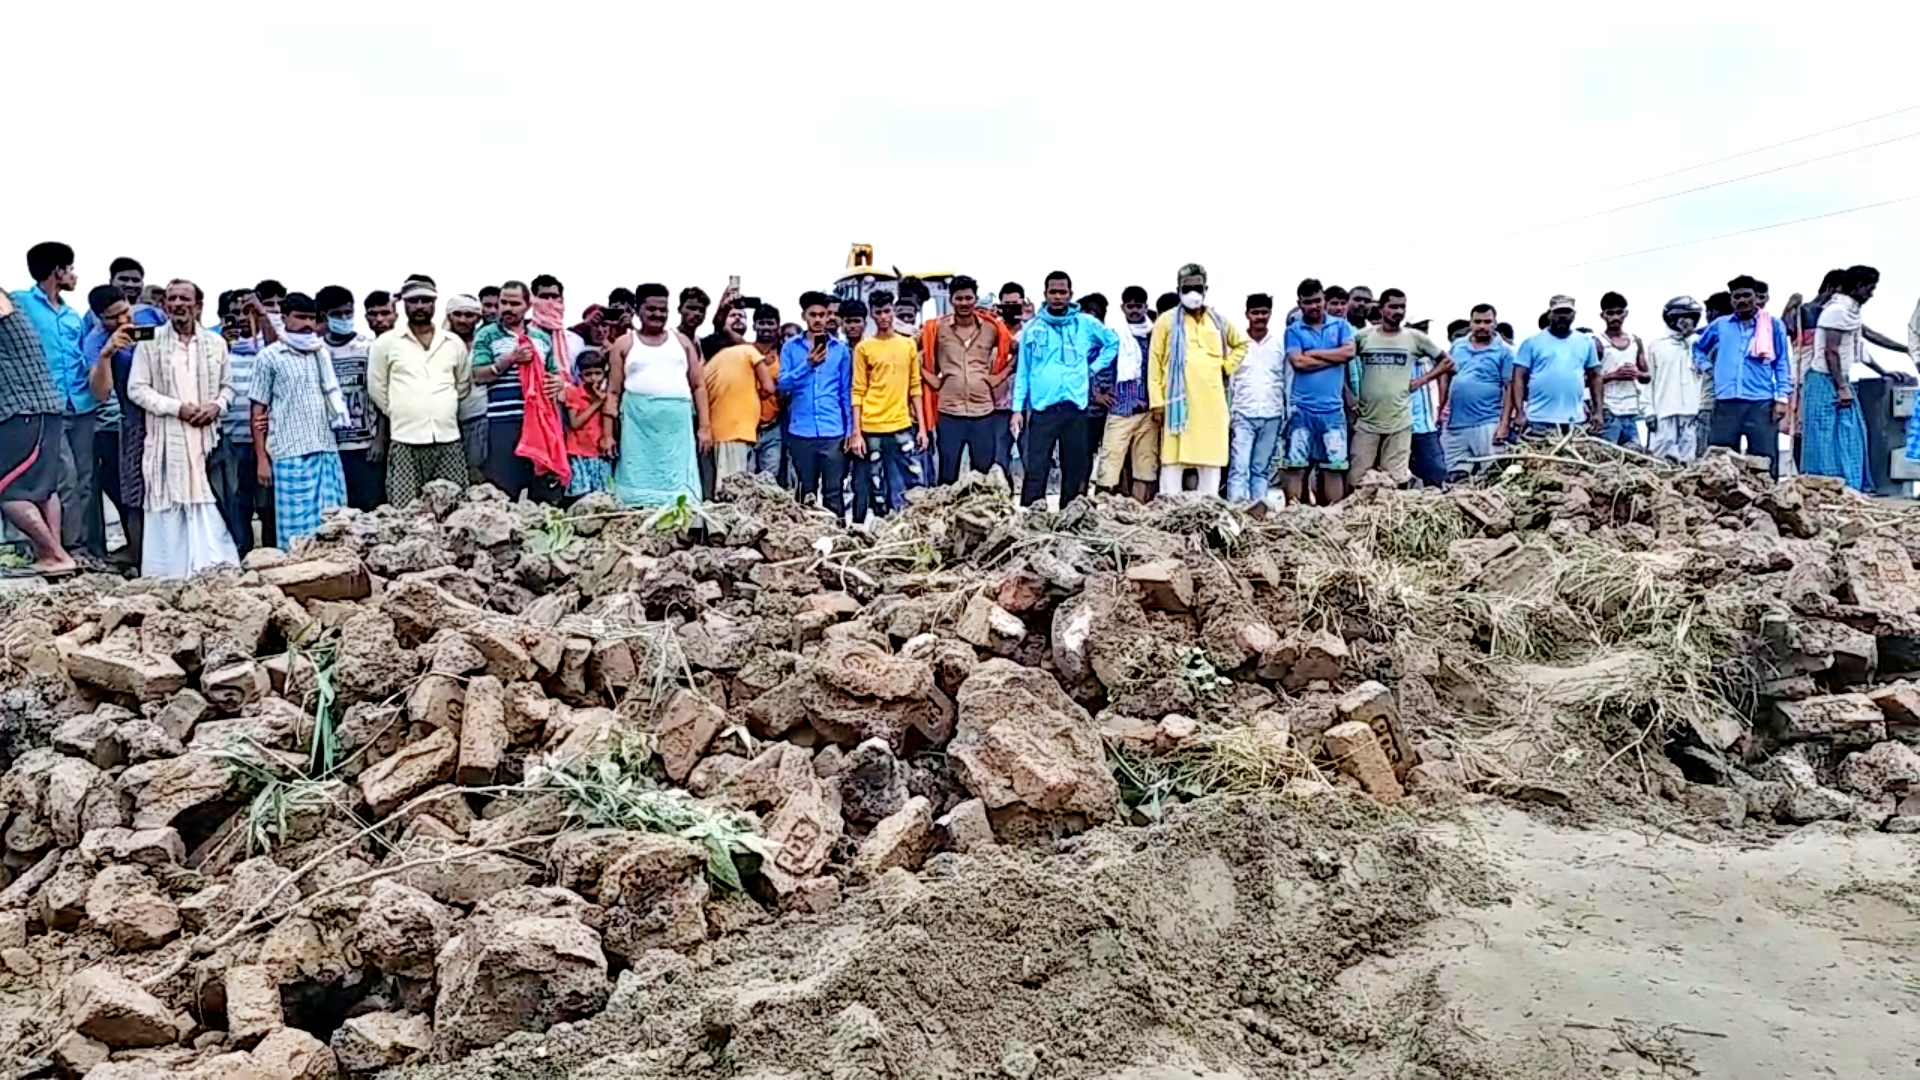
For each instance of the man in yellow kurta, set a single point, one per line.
(1193, 351)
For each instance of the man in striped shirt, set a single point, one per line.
(1132, 435)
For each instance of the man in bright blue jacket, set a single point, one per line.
(1060, 350)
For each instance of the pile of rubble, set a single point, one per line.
(441, 775)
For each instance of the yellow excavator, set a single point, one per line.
(862, 276)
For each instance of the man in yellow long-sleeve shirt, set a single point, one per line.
(887, 425)
(1192, 352)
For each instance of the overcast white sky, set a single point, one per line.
(1385, 144)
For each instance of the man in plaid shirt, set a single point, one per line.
(30, 432)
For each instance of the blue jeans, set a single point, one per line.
(767, 454)
(1622, 429)
(1429, 459)
(820, 467)
(892, 458)
(1250, 456)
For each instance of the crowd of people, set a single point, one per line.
(208, 439)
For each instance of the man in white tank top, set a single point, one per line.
(657, 400)
(1623, 367)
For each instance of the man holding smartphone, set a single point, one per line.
(816, 378)
(111, 338)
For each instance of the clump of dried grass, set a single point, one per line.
(1215, 760)
(1382, 570)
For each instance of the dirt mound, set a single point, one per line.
(979, 789)
(1212, 940)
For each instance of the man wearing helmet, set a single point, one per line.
(1675, 387)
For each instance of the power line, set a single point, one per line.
(1764, 149)
(1716, 184)
(1743, 232)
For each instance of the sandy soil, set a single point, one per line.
(1625, 953)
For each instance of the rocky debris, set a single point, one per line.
(381, 1040)
(1356, 750)
(455, 873)
(1165, 585)
(125, 902)
(1841, 719)
(802, 834)
(402, 929)
(293, 1054)
(1881, 575)
(1021, 742)
(901, 840)
(253, 1004)
(163, 790)
(986, 625)
(121, 667)
(686, 725)
(1372, 704)
(76, 1055)
(1888, 768)
(498, 976)
(838, 711)
(410, 772)
(320, 579)
(1304, 658)
(114, 1010)
(872, 782)
(966, 828)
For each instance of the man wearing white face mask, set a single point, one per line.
(349, 348)
(1193, 351)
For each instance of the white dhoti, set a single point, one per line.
(184, 540)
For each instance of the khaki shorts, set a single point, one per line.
(1391, 454)
(1129, 439)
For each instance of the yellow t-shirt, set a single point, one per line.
(733, 395)
(886, 372)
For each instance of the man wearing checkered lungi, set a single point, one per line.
(297, 403)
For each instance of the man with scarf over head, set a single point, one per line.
(180, 378)
(1061, 349)
(297, 406)
(465, 314)
(417, 374)
(1193, 351)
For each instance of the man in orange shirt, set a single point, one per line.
(767, 450)
(738, 378)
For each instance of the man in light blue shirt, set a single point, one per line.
(1550, 371)
(1061, 350)
(1477, 397)
(1752, 374)
(61, 327)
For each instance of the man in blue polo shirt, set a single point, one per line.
(1750, 358)
(1477, 398)
(1318, 348)
(1550, 372)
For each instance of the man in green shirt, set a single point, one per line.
(1384, 359)
(498, 353)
